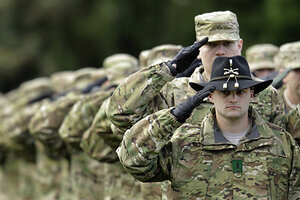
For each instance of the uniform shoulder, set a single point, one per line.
(274, 127)
(188, 133)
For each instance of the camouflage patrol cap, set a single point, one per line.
(217, 26)
(163, 53)
(32, 89)
(261, 56)
(143, 58)
(289, 55)
(62, 81)
(84, 76)
(120, 66)
(118, 58)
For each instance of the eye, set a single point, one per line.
(227, 43)
(225, 93)
(240, 92)
(212, 44)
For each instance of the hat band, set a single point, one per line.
(226, 77)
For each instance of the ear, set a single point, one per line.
(252, 94)
(210, 98)
(240, 45)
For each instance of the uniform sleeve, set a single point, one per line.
(144, 151)
(271, 106)
(294, 178)
(293, 123)
(134, 98)
(45, 123)
(98, 141)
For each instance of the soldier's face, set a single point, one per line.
(292, 82)
(211, 50)
(231, 105)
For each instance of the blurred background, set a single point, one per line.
(39, 37)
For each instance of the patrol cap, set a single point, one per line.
(62, 81)
(217, 26)
(118, 58)
(261, 56)
(143, 58)
(83, 77)
(232, 73)
(120, 66)
(289, 55)
(35, 87)
(163, 53)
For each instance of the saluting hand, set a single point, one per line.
(185, 57)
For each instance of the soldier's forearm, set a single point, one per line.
(128, 103)
(141, 146)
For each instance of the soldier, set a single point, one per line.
(88, 175)
(261, 59)
(233, 153)
(289, 58)
(19, 144)
(155, 88)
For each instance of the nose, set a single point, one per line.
(220, 50)
(233, 97)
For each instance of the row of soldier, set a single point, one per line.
(58, 141)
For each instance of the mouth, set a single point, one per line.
(233, 107)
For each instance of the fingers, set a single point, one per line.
(211, 88)
(199, 44)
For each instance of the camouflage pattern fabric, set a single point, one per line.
(20, 145)
(154, 88)
(45, 124)
(119, 184)
(80, 118)
(201, 163)
(293, 127)
(53, 162)
(100, 143)
(87, 175)
(87, 178)
(52, 176)
(217, 26)
(261, 56)
(151, 191)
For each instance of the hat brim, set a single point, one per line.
(257, 86)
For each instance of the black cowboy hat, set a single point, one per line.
(232, 73)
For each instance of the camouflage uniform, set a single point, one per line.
(53, 167)
(19, 143)
(196, 158)
(99, 143)
(154, 88)
(89, 175)
(288, 58)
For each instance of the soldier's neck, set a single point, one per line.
(206, 76)
(292, 97)
(236, 125)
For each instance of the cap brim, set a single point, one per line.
(257, 86)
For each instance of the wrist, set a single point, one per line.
(171, 68)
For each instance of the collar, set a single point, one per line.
(259, 134)
(289, 104)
